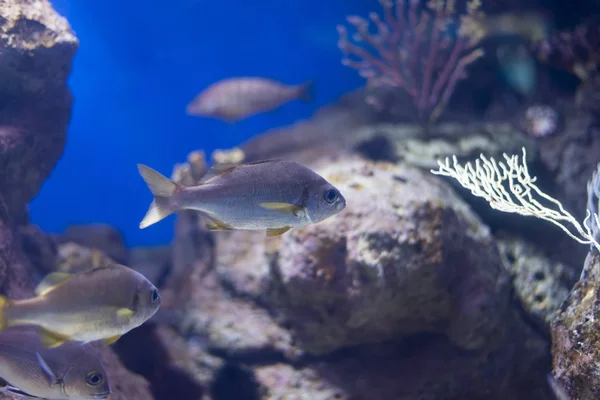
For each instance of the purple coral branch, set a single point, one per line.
(431, 64)
(445, 75)
(429, 82)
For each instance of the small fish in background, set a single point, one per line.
(275, 195)
(518, 68)
(73, 371)
(102, 303)
(234, 99)
(531, 26)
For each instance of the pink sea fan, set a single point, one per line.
(421, 51)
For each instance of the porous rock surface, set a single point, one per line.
(406, 256)
(576, 335)
(541, 284)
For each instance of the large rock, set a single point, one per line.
(36, 50)
(406, 256)
(333, 310)
(576, 336)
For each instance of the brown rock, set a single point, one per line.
(164, 359)
(36, 49)
(98, 236)
(124, 384)
(576, 335)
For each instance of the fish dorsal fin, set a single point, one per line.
(217, 171)
(51, 282)
(46, 369)
(103, 267)
(268, 161)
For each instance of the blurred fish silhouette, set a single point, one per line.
(234, 99)
(531, 26)
(101, 303)
(275, 195)
(518, 68)
(72, 371)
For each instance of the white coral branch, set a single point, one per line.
(508, 187)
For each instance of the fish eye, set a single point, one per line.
(94, 378)
(154, 296)
(331, 196)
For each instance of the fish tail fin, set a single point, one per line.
(4, 304)
(306, 91)
(163, 190)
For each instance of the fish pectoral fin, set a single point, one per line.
(51, 282)
(277, 231)
(46, 369)
(18, 391)
(52, 339)
(214, 224)
(110, 340)
(124, 315)
(284, 207)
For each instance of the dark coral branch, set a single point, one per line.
(576, 51)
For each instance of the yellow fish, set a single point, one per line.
(98, 304)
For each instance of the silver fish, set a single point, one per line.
(101, 303)
(234, 99)
(73, 371)
(275, 195)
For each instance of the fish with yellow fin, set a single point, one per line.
(271, 195)
(102, 303)
(72, 371)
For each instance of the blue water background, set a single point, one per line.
(140, 63)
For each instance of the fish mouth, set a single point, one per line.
(102, 395)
